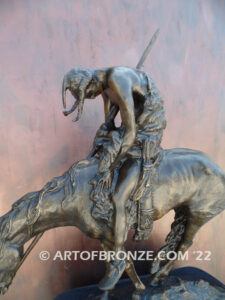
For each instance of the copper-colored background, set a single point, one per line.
(40, 41)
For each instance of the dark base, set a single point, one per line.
(183, 283)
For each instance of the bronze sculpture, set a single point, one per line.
(153, 181)
(137, 140)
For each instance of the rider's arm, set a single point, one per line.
(122, 87)
(110, 110)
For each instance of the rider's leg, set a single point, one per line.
(126, 182)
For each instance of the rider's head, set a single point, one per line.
(82, 84)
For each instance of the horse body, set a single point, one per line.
(188, 182)
(189, 178)
(186, 178)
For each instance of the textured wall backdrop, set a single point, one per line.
(39, 42)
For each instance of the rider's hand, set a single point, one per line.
(106, 180)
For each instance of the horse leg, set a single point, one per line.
(130, 269)
(131, 272)
(172, 241)
(191, 228)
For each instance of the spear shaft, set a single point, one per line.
(148, 49)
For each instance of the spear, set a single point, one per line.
(148, 49)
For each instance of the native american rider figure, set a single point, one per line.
(136, 142)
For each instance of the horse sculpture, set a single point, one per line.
(188, 182)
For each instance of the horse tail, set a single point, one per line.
(173, 240)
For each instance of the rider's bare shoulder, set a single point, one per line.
(123, 76)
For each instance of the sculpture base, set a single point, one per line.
(183, 283)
